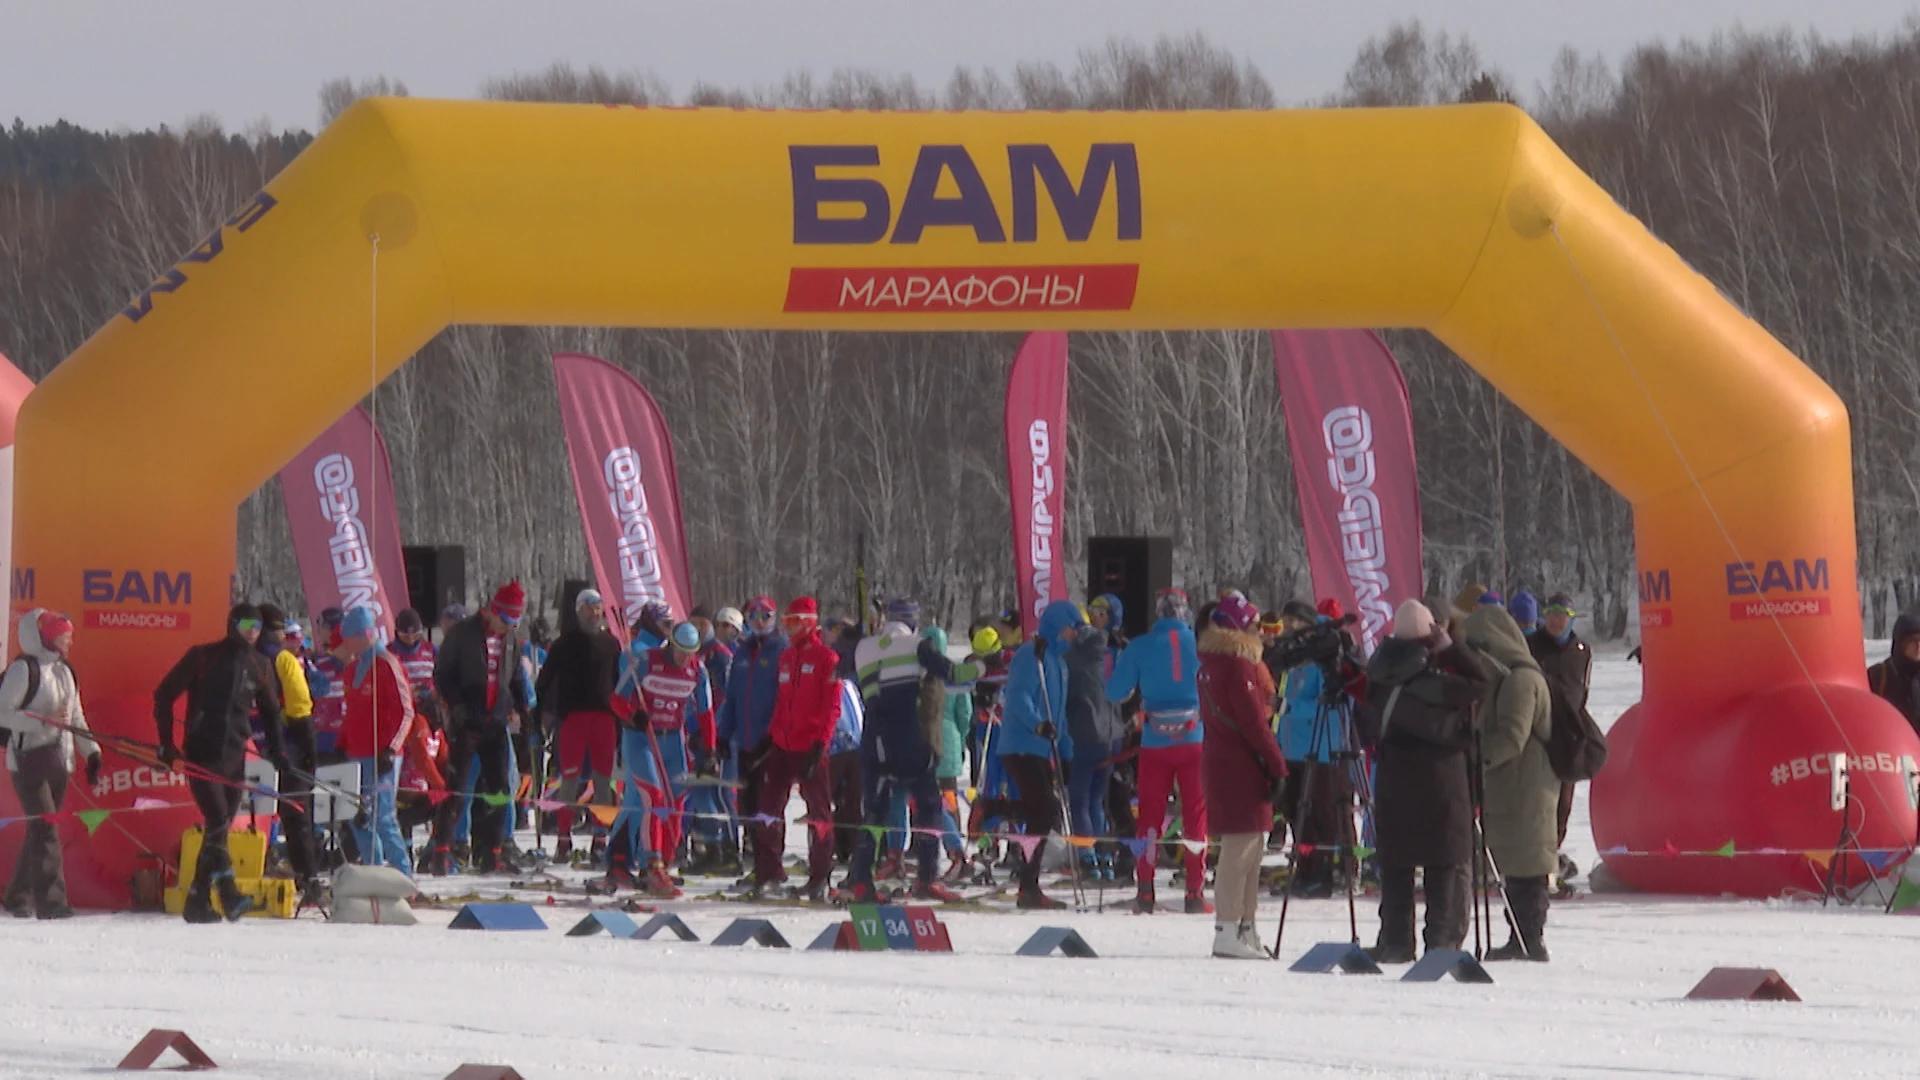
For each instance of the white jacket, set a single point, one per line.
(57, 699)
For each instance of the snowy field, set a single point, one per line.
(307, 999)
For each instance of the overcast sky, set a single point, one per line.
(138, 63)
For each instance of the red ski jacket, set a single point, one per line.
(379, 711)
(808, 703)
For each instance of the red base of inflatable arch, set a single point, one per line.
(1756, 775)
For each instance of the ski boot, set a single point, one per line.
(860, 893)
(1512, 950)
(958, 872)
(659, 885)
(893, 869)
(728, 863)
(199, 905)
(58, 911)
(232, 901)
(1197, 904)
(813, 892)
(1037, 901)
(618, 877)
(563, 849)
(439, 862)
(935, 891)
(462, 855)
(488, 862)
(1143, 902)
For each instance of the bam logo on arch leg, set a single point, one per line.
(140, 600)
(1779, 589)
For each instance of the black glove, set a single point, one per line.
(1277, 794)
(93, 769)
(384, 762)
(169, 754)
(1046, 730)
(816, 757)
(282, 765)
(703, 764)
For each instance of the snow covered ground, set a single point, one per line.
(307, 999)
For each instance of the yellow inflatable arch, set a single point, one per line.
(406, 216)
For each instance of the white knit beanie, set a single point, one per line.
(1412, 621)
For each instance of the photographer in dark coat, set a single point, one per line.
(1424, 688)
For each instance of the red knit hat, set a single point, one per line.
(510, 602)
(51, 625)
(762, 603)
(1330, 608)
(804, 607)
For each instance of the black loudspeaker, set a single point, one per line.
(1133, 568)
(436, 577)
(570, 590)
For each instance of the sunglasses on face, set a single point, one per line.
(761, 616)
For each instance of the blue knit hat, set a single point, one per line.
(1524, 608)
(358, 623)
(905, 610)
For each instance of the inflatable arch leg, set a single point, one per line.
(135, 452)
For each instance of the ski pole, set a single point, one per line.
(1060, 793)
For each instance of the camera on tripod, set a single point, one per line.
(1325, 644)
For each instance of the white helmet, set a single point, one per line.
(730, 616)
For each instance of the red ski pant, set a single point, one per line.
(1162, 770)
(587, 740)
(782, 770)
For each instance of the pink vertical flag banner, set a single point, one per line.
(1350, 428)
(346, 533)
(627, 485)
(1037, 471)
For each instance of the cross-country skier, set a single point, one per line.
(669, 734)
(805, 713)
(1033, 739)
(223, 681)
(576, 688)
(1162, 665)
(895, 752)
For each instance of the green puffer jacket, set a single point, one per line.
(956, 720)
(1521, 790)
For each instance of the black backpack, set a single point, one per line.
(1576, 747)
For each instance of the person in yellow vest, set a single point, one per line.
(296, 713)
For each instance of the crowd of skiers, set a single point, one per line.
(1219, 735)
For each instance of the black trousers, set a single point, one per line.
(843, 780)
(491, 746)
(39, 881)
(1037, 808)
(296, 806)
(1447, 906)
(218, 802)
(1528, 898)
(1318, 797)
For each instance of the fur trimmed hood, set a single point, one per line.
(1244, 644)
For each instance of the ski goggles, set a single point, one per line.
(246, 626)
(1559, 609)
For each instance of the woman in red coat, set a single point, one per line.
(1241, 768)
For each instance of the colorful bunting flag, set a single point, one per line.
(92, 819)
(1725, 851)
(1137, 845)
(605, 815)
(1028, 844)
(1198, 847)
(1819, 858)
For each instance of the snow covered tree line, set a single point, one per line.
(1786, 169)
